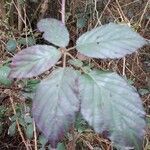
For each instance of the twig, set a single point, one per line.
(19, 14)
(144, 11)
(64, 60)
(71, 48)
(18, 126)
(35, 136)
(102, 13)
(63, 11)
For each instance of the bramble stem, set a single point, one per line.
(63, 11)
(64, 60)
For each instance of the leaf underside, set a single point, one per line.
(112, 106)
(33, 61)
(54, 31)
(56, 103)
(109, 41)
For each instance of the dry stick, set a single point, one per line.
(102, 12)
(35, 136)
(71, 48)
(19, 14)
(146, 26)
(64, 60)
(18, 126)
(25, 23)
(124, 66)
(36, 11)
(97, 13)
(122, 13)
(145, 9)
(2, 10)
(63, 11)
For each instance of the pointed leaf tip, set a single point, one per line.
(54, 31)
(109, 41)
(33, 61)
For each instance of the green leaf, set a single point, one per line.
(81, 22)
(109, 41)
(4, 72)
(54, 31)
(33, 61)
(42, 140)
(61, 146)
(143, 91)
(11, 45)
(28, 119)
(56, 103)
(113, 107)
(12, 129)
(75, 62)
(3, 109)
(31, 85)
(30, 41)
(29, 131)
(80, 124)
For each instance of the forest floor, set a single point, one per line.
(18, 21)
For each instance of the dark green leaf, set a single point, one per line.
(143, 91)
(81, 22)
(4, 72)
(42, 140)
(61, 146)
(29, 131)
(11, 45)
(30, 41)
(12, 129)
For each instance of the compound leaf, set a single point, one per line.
(109, 41)
(33, 61)
(54, 31)
(113, 107)
(56, 103)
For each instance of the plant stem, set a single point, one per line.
(70, 56)
(64, 60)
(35, 136)
(71, 48)
(63, 11)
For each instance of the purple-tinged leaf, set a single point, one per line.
(33, 61)
(56, 103)
(54, 31)
(113, 107)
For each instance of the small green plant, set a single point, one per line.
(106, 101)
(24, 120)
